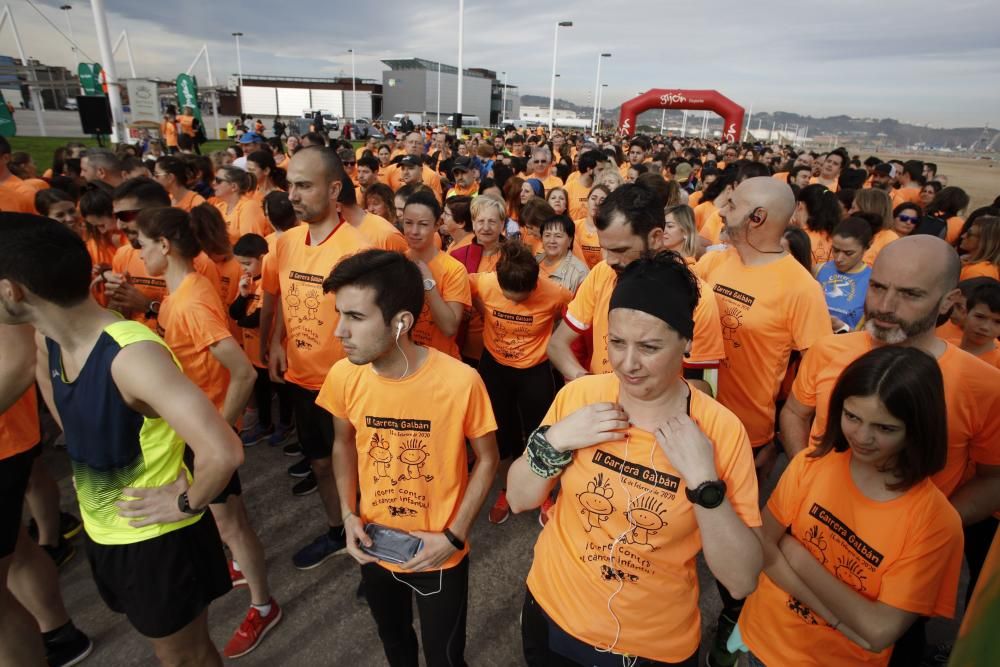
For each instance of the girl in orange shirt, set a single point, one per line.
(269, 175)
(858, 542)
(174, 174)
(949, 204)
(981, 243)
(456, 221)
(586, 245)
(194, 325)
(519, 312)
(877, 204)
(680, 233)
(818, 211)
(243, 215)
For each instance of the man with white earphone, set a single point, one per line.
(402, 414)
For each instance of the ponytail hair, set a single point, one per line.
(245, 181)
(188, 233)
(265, 160)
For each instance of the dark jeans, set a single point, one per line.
(520, 398)
(442, 615)
(545, 644)
(262, 391)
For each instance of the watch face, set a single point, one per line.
(712, 495)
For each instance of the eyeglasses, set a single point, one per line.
(350, 164)
(907, 218)
(221, 180)
(127, 216)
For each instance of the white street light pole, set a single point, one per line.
(69, 24)
(457, 118)
(36, 96)
(111, 75)
(439, 96)
(354, 91)
(552, 88)
(239, 68)
(597, 88)
(503, 100)
(600, 101)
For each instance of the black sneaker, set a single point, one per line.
(317, 551)
(300, 469)
(69, 526)
(292, 449)
(719, 654)
(305, 486)
(68, 650)
(60, 553)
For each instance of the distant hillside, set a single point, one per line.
(885, 131)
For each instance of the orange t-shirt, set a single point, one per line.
(459, 191)
(453, 284)
(586, 245)
(622, 514)
(832, 187)
(883, 238)
(189, 201)
(984, 268)
(127, 260)
(410, 434)
(971, 392)
(455, 245)
(702, 212)
(516, 334)
(168, 131)
(905, 553)
(950, 332)
(904, 196)
(822, 246)
(955, 224)
(473, 347)
(19, 425)
(251, 337)
(781, 176)
(577, 193)
(297, 273)
(101, 251)
(694, 199)
(394, 178)
(712, 228)
(382, 234)
(16, 197)
(549, 182)
(247, 217)
(589, 310)
(191, 321)
(992, 357)
(761, 326)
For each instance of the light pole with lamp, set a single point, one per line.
(503, 100)
(552, 88)
(597, 87)
(600, 101)
(239, 69)
(354, 92)
(69, 24)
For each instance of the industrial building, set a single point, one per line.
(430, 89)
(290, 96)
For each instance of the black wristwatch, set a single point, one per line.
(152, 310)
(184, 505)
(453, 538)
(707, 494)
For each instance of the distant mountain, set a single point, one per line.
(876, 131)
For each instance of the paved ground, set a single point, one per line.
(324, 623)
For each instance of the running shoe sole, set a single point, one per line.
(497, 523)
(83, 656)
(281, 614)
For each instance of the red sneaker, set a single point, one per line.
(501, 508)
(543, 512)
(239, 579)
(252, 631)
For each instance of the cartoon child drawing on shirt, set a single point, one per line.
(596, 501)
(379, 452)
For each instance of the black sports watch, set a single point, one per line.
(453, 538)
(153, 310)
(707, 494)
(184, 505)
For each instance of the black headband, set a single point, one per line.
(658, 292)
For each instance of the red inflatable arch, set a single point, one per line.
(702, 100)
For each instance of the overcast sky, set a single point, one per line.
(919, 62)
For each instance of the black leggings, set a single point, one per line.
(262, 390)
(442, 614)
(539, 633)
(520, 399)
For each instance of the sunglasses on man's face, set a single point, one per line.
(907, 218)
(127, 216)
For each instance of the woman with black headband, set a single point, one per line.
(651, 473)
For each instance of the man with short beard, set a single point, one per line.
(913, 282)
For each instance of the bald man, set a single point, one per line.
(769, 305)
(413, 145)
(913, 282)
